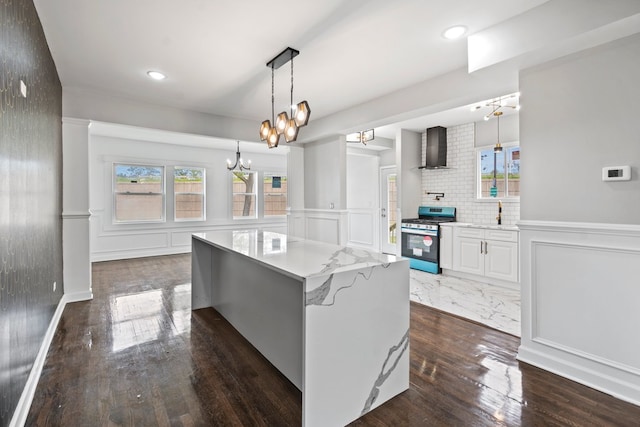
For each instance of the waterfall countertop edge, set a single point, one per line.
(294, 256)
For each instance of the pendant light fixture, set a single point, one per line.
(284, 124)
(498, 147)
(497, 105)
(291, 127)
(239, 165)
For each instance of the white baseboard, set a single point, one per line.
(128, 254)
(622, 385)
(78, 296)
(24, 404)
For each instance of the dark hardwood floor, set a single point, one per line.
(136, 355)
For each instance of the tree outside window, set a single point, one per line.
(244, 194)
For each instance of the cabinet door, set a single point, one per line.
(470, 258)
(446, 247)
(501, 260)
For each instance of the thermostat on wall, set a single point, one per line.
(616, 173)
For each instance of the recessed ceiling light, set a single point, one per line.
(455, 32)
(156, 75)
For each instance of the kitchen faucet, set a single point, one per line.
(499, 217)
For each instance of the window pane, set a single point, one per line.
(189, 190)
(490, 161)
(138, 179)
(244, 194)
(139, 207)
(275, 194)
(392, 198)
(513, 165)
(189, 206)
(138, 193)
(244, 206)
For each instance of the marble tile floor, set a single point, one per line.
(495, 306)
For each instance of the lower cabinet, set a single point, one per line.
(486, 252)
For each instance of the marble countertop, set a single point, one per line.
(294, 256)
(487, 226)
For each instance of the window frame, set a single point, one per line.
(115, 193)
(478, 175)
(203, 217)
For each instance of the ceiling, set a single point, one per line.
(214, 53)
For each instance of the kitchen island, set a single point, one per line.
(334, 320)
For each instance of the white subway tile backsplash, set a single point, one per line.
(458, 181)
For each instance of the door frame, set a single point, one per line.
(385, 247)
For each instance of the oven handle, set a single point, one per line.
(420, 232)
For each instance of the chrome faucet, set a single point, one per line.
(499, 217)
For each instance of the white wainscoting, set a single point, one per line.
(324, 225)
(140, 241)
(76, 258)
(581, 303)
(295, 222)
(363, 228)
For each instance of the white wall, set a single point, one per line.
(582, 114)
(580, 237)
(113, 241)
(408, 148)
(112, 109)
(458, 180)
(325, 172)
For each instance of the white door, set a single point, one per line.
(389, 228)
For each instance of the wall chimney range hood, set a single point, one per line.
(436, 148)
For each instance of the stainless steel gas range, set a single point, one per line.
(421, 237)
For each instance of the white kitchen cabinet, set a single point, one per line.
(470, 257)
(446, 247)
(486, 252)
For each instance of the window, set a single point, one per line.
(507, 172)
(189, 192)
(244, 194)
(274, 187)
(138, 193)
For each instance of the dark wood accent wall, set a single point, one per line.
(30, 196)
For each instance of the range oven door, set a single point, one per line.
(420, 244)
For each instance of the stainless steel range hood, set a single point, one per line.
(436, 148)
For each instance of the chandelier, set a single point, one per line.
(284, 124)
(497, 105)
(239, 165)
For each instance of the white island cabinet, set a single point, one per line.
(334, 320)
